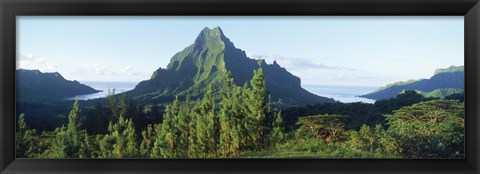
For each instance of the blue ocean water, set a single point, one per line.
(345, 94)
(105, 86)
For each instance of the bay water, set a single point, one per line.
(345, 94)
(105, 86)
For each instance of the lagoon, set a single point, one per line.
(345, 94)
(105, 86)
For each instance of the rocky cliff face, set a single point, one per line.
(207, 61)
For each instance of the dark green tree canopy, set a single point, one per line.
(430, 129)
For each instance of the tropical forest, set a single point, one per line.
(212, 101)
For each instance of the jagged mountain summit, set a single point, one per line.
(207, 61)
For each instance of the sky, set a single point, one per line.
(321, 50)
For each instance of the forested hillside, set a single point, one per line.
(35, 86)
(243, 124)
(444, 82)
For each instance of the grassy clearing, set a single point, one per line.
(277, 154)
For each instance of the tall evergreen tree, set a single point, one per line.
(26, 139)
(73, 126)
(164, 146)
(192, 138)
(20, 144)
(202, 132)
(107, 143)
(148, 139)
(125, 140)
(178, 124)
(246, 123)
(22, 125)
(123, 105)
(157, 143)
(183, 129)
(132, 147)
(277, 134)
(60, 144)
(228, 127)
(238, 110)
(258, 107)
(86, 147)
(66, 143)
(206, 127)
(211, 122)
(112, 104)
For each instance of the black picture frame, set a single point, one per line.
(9, 9)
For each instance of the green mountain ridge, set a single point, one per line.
(33, 85)
(444, 82)
(442, 92)
(449, 69)
(206, 62)
(397, 84)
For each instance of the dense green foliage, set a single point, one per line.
(444, 82)
(328, 128)
(212, 101)
(189, 73)
(356, 113)
(41, 97)
(442, 93)
(429, 129)
(432, 129)
(243, 124)
(376, 141)
(201, 130)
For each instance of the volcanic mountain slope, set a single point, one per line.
(207, 61)
(444, 82)
(33, 85)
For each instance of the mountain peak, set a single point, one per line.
(214, 32)
(207, 61)
(213, 37)
(215, 29)
(208, 49)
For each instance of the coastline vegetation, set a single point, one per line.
(243, 124)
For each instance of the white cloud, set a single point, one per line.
(127, 70)
(32, 61)
(100, 69)
(291, 63)
(91, 69)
